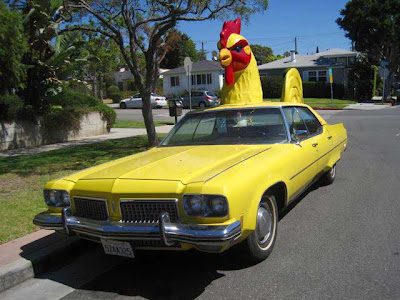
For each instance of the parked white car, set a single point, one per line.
(135, 101)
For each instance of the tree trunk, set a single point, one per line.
(94, 87)
(101, 87)
(148, 117)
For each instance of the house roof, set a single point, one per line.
(321, 59)
(202, 65)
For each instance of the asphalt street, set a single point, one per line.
(336, 242)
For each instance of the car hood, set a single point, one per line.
(187, 164)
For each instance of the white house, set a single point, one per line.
(123, 76)
(206, 75)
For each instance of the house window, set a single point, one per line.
(315, 76)
(209, 79)
(201, 79)
(175, 81)
(312, 76)
(342, 60)
(322, 76)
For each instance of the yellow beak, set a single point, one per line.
(225, 57)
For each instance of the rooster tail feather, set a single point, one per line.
(292, 90)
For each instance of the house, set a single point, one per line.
(314, 67)
(123, 78)
(206, 74)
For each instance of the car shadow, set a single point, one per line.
(152, 274)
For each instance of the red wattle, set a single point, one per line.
(229, 75)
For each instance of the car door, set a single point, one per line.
(185, 97)
(304, 154)
(321, 137)
(135, 101)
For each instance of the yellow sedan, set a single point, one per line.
(219, 178)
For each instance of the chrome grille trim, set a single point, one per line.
(147, 211)
(91, 208)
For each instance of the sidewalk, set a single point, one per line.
(115, 133)
(366, 106)
(32, 254)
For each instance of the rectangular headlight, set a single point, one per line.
(205, 205)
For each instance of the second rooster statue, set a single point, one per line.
(242, 81)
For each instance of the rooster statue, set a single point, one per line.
(242, 81)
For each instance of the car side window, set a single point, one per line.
(297, 127)
(312, 123)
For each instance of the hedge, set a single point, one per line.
(272, 88)
(114, 93)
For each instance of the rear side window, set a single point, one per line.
(312, 123)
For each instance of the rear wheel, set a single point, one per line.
(329, 177)
(261, 241)
(202, 105)
(122, 105)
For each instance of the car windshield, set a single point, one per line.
(210, 94)
(229, 127)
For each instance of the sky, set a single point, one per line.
(311, 21)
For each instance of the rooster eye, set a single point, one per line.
(238, 49)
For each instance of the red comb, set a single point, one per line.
(229, 28)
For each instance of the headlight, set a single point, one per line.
(205, 205)
(57, 198)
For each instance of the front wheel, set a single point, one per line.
(122, 105)
(329, 177)
(261, 241)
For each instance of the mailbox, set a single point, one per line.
(175, 108)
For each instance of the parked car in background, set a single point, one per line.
(135, 101)
(200, 99)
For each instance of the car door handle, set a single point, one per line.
(329, 137)
(315, 144)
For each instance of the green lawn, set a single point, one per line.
(321, 102)
(138, 124)
(22, 178)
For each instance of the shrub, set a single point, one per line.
(68, 98)
(114, 93)
(127, 94)
(218, 93)
(78, 86)
(108, 114)
(272, 86)
(11, 107)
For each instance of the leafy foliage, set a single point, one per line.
(13, 46)
(114, 93)
(374, 27)
(180, 46)
(361, 79)
(10, 107)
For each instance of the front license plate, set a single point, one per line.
(117, 248)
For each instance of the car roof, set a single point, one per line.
(265, 104)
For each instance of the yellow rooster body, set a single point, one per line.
(247, 88)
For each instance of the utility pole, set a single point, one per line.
(202, 48)
(295, 45)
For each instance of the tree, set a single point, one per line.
(13, 46)
(104, 58)
(262, 54)
(374, 27)
(179, 46)
(286, 54)
(143, 27)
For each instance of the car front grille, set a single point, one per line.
(147, 211)
(95, 209)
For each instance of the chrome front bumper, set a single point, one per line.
(202, 236)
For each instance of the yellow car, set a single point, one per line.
(219, 178)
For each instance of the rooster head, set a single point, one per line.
(234, 50)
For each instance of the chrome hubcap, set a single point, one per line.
(333, 171)
(264, 223)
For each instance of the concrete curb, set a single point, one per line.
(24, 269)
